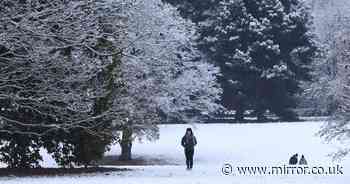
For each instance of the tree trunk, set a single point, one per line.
(239, 116)
(260, 115)
(126, 144)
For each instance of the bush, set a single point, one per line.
(20, 151)
(77, 148)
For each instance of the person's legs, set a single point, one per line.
(187, 155)
(191, 153)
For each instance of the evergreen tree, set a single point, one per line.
(264, 50)
(196, 10)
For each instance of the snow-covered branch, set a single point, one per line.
(50, 54)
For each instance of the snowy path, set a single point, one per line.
(239, 145)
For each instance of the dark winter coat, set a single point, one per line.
(188, 142)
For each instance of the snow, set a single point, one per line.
(268, 144)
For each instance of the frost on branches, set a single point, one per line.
(74, 72)
(331, 18)
(332, 85)
(165, 76)
(51, 55)
(338, 126)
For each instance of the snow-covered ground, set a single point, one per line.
(269, 144)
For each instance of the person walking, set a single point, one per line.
(189, 141)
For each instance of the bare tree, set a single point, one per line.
(163, 71)
(338, 126)
(331, 18)
(53, 55)
(49, 55)
(97, 66)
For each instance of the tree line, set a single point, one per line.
(77, 76)
(265, 50)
